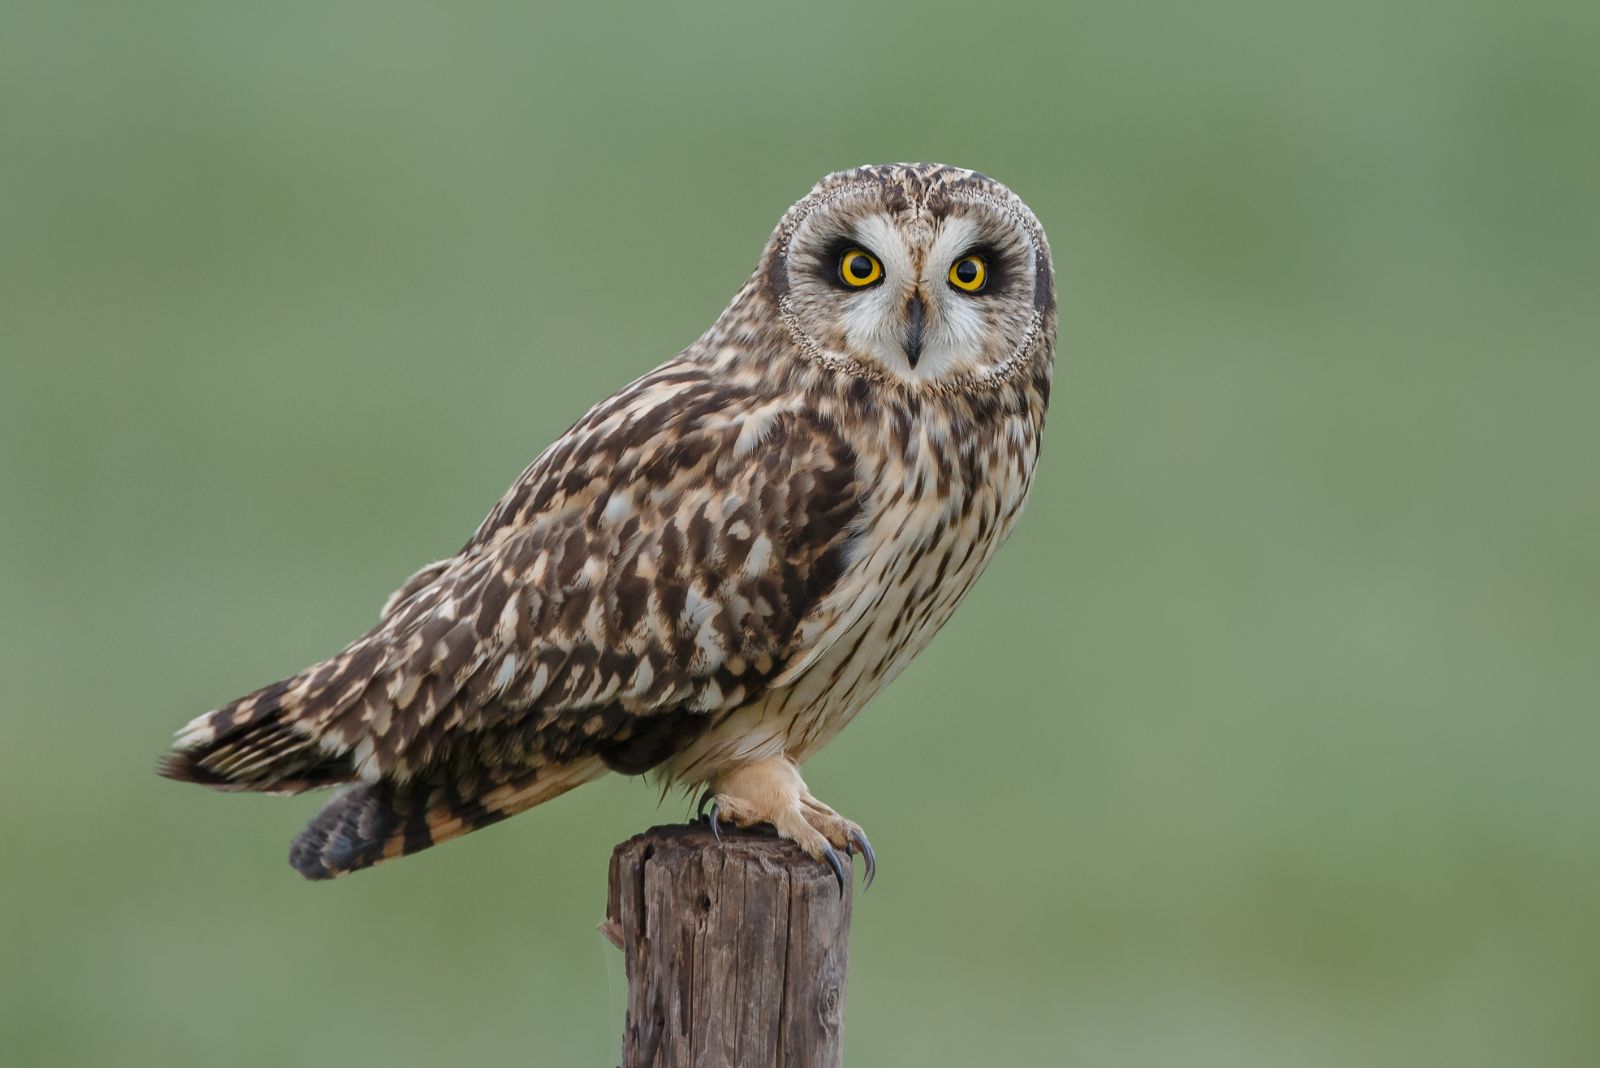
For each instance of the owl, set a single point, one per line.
(713, 570)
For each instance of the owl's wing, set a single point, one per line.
(651, 568)
(423, 578)
(672, 585)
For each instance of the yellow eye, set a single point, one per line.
(859, 268)
(969, 273)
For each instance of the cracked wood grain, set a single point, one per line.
(735, 951)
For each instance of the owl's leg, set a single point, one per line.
(771, 791)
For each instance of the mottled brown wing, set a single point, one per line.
(421, 580)
(650, 569)
(666, 584)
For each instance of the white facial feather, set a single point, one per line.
(962, 332)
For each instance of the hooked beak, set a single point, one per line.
(914, 312)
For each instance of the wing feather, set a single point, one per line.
(654, 566)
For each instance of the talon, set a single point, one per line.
(705, 799)
(859, 837)
(836, 864)
(715, 830)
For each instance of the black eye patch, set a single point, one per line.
(996, 267)
(848, 264)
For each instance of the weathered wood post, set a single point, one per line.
(735, 950)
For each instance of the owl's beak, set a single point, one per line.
(914, 314)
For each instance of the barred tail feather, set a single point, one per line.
(375, 822)
(271, 757)
(278, 739)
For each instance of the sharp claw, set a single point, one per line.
(705, 799)
(715, 830)
(836, 864)
(859, 837)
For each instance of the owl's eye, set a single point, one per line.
(859, 268)
(969, 273)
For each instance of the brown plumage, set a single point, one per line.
(713, 570)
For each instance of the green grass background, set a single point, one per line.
(1270, 738)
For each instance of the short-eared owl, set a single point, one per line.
(714, 570)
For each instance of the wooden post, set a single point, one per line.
(735, 950)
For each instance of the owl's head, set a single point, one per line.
(914, 271)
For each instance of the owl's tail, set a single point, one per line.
(291, 736)
(375, 822)
(265, 747)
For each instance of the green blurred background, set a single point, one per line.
(1270, 738)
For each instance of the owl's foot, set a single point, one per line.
(772, 792)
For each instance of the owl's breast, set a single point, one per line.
(938, 513)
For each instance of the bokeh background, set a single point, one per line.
(1271, 738)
